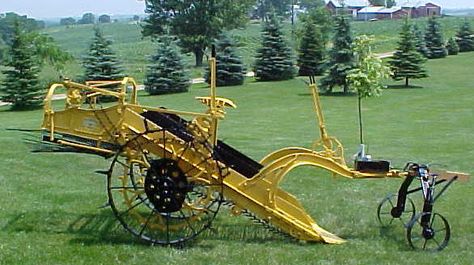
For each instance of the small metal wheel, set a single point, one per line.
(387, 211)
(434, 236)
(163, 189)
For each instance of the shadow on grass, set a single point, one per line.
(89, 229)
(11, 108)
(395, 233)
(403, 87)
(330, 94)
(242, 231)
(104, 229)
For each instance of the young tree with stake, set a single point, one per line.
(366, 79)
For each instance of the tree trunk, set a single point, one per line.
(199, 56)
(360, 120)
(406, 81)
(292, 13)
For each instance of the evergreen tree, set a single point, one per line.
(311, 52)
(452, 47)
(388, 3)
(341, 57)
(434, 40)
(465, 38)
(166, 73)
(310, 4)
(21, 86)
(230, 69)
(420, 41)
(312, 49)
(274, 59)
(407, 62)
(195, 23)
(264, 8)
(101, 63)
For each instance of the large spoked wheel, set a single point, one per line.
(387, 212)
(163, 189)
(433, 236)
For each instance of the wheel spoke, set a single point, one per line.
(187, 221)
(195, 167)
(388, 205)
(147, 158)
(164, 144)
(391, 203)
(140, 185)
(436, 241)
(430, 233)
(146, 222)
(183, 152)
(126, 188)
(433, 221)
(134, 206)
(122, 163)
(167, 228)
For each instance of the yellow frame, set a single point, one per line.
(260, 194)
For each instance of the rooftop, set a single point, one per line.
(415, 3)
(348, 3)
(379, 10)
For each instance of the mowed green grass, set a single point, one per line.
(134, 51)
(49, 202)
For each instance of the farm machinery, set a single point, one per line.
(170, 174)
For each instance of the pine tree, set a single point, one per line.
(274, 58)
(230, 69)
(101, 62)
(420, 41)
(341, 57)
(21, 86)
(465, 37)
(312, 50)
(407, 62)
(434, 40)
(166, 73)
(452, 47)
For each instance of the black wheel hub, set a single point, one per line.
(396, 212)
(166, 185)
(428, 233)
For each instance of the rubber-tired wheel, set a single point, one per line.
(387, 211)
(434, 236)
(163, 189)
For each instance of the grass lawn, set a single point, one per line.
(49, 205)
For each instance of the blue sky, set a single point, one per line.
(65, 8)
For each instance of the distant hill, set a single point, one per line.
(459, 12)
(134, 50)
(54, 21)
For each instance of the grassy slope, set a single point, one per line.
(386, 31)
(134, 51)
(48, 207)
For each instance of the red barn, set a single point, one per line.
(351, 7)
(422, 9)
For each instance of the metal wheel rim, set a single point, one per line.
(441, 229)
(170, 219)
(384, 215)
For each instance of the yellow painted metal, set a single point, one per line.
(83, 125)
(212, 106)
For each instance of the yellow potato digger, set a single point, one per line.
(170, 174)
